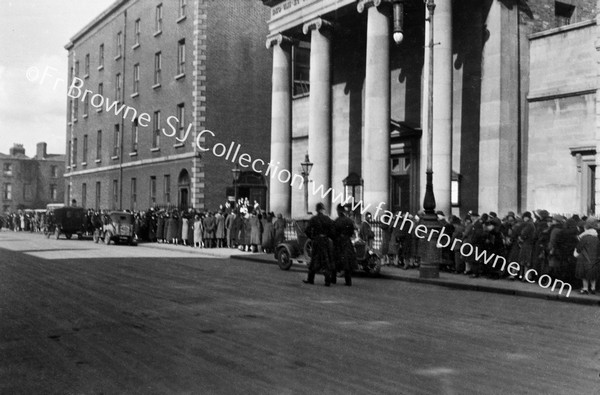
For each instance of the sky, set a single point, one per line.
(33, 34)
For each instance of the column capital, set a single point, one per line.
(363, 4)
(316, 24)
(278, 39)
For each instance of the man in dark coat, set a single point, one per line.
(319, 230)
(344, 250)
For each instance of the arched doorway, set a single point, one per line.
(183, 186)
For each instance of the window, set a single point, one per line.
(7, 192)
(301, 70)
(116, 141)
(27, 192)
(152, 190)
(99, 145)
(181, 119)
(133, 193)
(68, 193)
(101, 56)
(563, 13)
(86, 65)
(167, 188)
(77, 68)
(137, 33)
(136, 78)
(118, 87)
(86, 105)
(7, 169)
(54, 171)
(115, 191)
(85, 148)
(98, 195)
(119, 46)
(75, 109)
(69, 145)
(158, 20)
(100, 89)
(181, 57)
(156, 133)
(75, 152)
(135, 129)
(53, 192)
(84, 195)
(157, 67)
(182, 4)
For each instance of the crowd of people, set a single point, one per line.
(564, 248)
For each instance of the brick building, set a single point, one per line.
(515, 102)
(179, 67)
(31, 183)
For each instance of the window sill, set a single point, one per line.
(98, 161)
(117, 57)
(86, 76)
(69, 123)
(178, 145)
(135, 46)
(158, 33)
(100, 67)
(181, 18)
(134, 153)
(114, 157)
(179, 76)
(156, 86)
(83, 163)
(84, 116)
(73, 166)
(156, 149)
(99, 109)
(136, 94)
(75, 120)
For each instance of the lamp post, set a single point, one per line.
(398, 8)
(306, 168)
(431, 255)
(236, 176)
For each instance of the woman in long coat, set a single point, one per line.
(172, 228)
(198, 231)
(160, 228)
(209, 230)
(184, 229)
(268, 233)
(220, 232)
(254, 232)
(587, 251)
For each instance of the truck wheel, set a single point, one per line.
(107, 237)
(284, 260)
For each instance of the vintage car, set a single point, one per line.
(117, 226)
(300, 250)
(65, 220)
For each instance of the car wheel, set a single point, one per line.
(284, 260)
(107, 237)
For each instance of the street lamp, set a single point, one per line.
(236, 176)
(306, 168)
(398, 34)
(432, 255)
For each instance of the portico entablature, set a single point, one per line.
(293, 13)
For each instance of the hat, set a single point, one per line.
(493, 214)
(320, 206)
(439, 212)
(558, 218)
(527, 214)
(511, 213)
(591, 221)
(340, 207)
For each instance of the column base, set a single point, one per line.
(430, 254)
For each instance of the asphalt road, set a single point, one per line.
(72, 322)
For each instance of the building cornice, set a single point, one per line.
(96, 21)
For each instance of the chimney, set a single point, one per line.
(17, 149)
(41, 150)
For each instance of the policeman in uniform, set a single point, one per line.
(320, 231)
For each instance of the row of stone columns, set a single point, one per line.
(376, 133)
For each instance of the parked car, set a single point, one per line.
(65, 220)
(118, 227)
(300, 250)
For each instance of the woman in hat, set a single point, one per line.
(587, 250)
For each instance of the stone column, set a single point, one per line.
(376, 133)
(499, 132)
(442, 106)
(281, 123)
(319, 110)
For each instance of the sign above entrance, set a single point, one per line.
(299, 11)
(289, 6)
